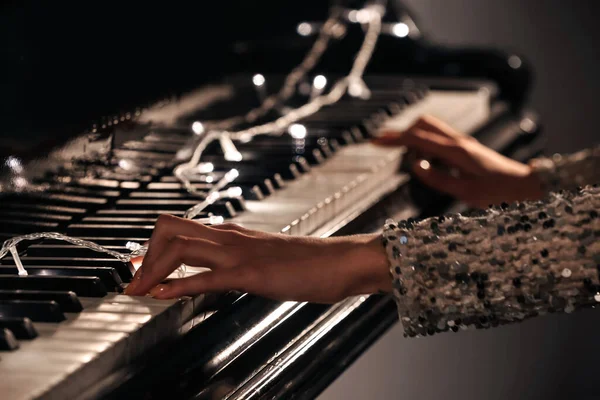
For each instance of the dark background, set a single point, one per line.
(553, 357)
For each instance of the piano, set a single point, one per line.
(98, 165)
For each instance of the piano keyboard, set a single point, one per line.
(66, 325)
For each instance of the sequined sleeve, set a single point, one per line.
(496, 266)
(570, 171)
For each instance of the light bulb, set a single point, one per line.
(15, 164)
(212, 197)
(229, 150)
(234, 156)
(401, 30)
(125, 164)
(297, 131)
(320, 82)
(304, 29)
(231, 175)
(352, 16)
(215, 219)
(198, 128)
(235, 191)
(258, 80)
(364, 16)
(20, 182)
(205, 168)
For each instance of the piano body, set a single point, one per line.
(66, 329)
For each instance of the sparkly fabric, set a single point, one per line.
(568, 172)
(499, 265)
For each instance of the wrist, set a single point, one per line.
(531, 185)
(368, 265)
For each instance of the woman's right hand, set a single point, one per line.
(476, 174)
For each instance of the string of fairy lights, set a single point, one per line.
(222, 131)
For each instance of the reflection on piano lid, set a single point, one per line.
(66, 331)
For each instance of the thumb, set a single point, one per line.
(460, 188)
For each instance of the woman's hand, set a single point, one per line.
(476, 174)
(275, 266)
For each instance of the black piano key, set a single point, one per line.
(357, 133)
(103, 184)
(67, 300)
(154, 194)
(109, 276)
(23, 226)
(280, 149)
(57, 199)
(37, 311)
(8, 342)
(302, 156)
(238, 203)
(7, 235)
(315, 139)
(223, 208)
(34, 216)
(96, 219)
(125, 270)
(250, 191)
(266, 181)
(83, 191)
(43, 208)
(67, 250)
(106, 240)
(146, 157)
(110, 230)
(156, 204)
(123, 215)
(169, 138)
(274, 162)
(21, 327)
(154, 146)
(145, 176)
(85, 286)
(254, 189)
(286, 170)
(176, 186)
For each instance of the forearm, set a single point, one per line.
(504, 265)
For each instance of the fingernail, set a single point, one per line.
(159, 291)
(135, 281)
(130, 288)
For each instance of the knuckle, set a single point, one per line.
(237, 236)
(427, 119)
(179, 242)
(164, 221)
(230, 226)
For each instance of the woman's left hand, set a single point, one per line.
(275, 266)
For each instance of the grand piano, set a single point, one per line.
(103, 103)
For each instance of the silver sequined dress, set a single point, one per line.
(506, 263)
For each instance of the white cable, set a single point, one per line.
(291, 81)
(10, 246)
(372, 16)
(275, 128)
